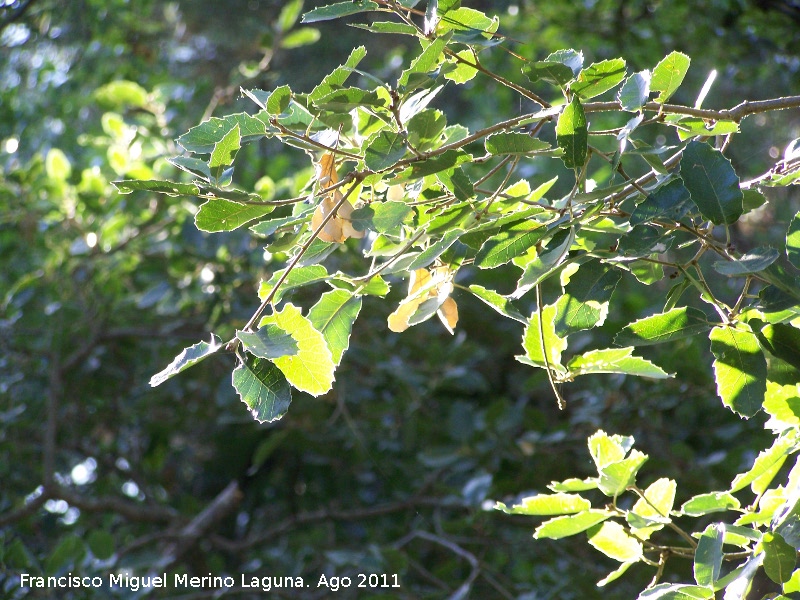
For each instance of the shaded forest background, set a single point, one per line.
(395, 470)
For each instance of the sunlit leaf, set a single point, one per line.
(740, 369)
(514, 143)
(189, 357)
(598, 78)
(547, 505)
(708, 503)
(333, 315)
(614, 360)
(338, 10)
(793, 241)
(311, 369)
(668, 75)
(767, 461)
(611, 539)
(585, 301)
(780, 558)
(226, 148)
(499, 303)
(218, 214)
(669, 326)
(170, 188)
(532, 339)
(561, 527)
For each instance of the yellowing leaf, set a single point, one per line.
(338, 227)
(428, 292)
(448, 314)
(311, 368)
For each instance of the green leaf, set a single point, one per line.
(598, 78)
(740, 370)
(336, 78)
(547, 505)
(754, 261)
(225, 150)
(782, 341)
(675, 324)
(189, 357)
(768, 461)
(561, 527)
(425, 62)
(333, 315)
(668, 75)
(304, 36)
(611, 539)
(614, 360)
(57, 165)
(711, 502)
(297, 277)
(532, 339)
(263, 388)
(343, 100)
(66, 556)
(671, 201)
(584, 303)
(203, 138)
(463, 71)
(311, 369)
(708, 555)
(607, 449)
(616, 573)
(559, 68)
(712, 183)
(425, 129)
(514, 143)
(268, 342)
(780, 558)
(387, 27)
(192, 165)
(616, 477)
(573, 484)
(338, 10)
(270, 226)
(457, 183)
(121, 94)
(793, 241)
(101, 543)
(572, 134)
(279, 100)
(223, 215)
(513, 240)
(634, 92)
(468, 25)
(649, 514)
(126, 186)
(289, 14)
(498, 302)
(547, 261)
(380, 216)
(384, 150)
(549, 71)
(676, 591)
(434, 251)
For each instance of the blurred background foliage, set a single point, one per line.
(395, 470)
